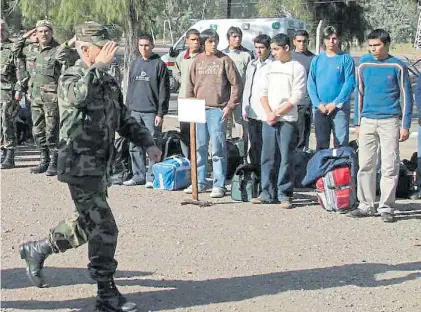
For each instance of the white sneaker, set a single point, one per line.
(149, 185)
(217, 192)
(200, 189)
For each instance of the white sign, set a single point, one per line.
(191, 110)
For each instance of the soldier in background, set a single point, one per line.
(9, 105)
(91, 111)
(44, 63)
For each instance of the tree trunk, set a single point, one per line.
(130, 49)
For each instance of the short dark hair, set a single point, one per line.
(263, 39)
(329, 31)
(234, 30)
(281, 40)
(301, 32)
(192, 31)
(146, 37)
(381, 34)
(208, 34)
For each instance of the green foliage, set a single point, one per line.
(399, 17)
(11, 14)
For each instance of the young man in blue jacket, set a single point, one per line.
(148, 97)
(330, 84)
(417, 194)
(381, 118)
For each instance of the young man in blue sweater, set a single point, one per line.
(417, 194)
(330, 84)
(381, 118)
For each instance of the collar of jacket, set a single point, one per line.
(187, 54)
(52, 44)
(240, 49)
(256, 60)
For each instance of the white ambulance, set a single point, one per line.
(250, 28)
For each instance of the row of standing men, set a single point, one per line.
(275, 98)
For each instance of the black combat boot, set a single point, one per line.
(52, 167)
(35, 253)
(43, 163)
(109, 299)
(9, 160)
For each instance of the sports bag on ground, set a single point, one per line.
(245, 184)
(172, 174)
(336, 191)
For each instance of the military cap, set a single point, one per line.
(45, 23)
(92, 32)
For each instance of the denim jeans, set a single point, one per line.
(277, 161)
(138, 154)
(337, 123)
(215, 130)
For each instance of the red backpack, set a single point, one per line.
(336, 191)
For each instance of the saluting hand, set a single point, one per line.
(106, 56)
(29, 33)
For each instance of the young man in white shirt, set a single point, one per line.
(283, 87)
(252, 109)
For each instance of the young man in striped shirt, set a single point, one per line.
(380, 119)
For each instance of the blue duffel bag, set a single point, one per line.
(173, 173)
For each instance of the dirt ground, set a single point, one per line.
(227, 257)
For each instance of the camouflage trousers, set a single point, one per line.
(9, 112)
(45, 120)
(92, 222)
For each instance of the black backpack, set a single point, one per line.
(171, 144)
(234, 158)
(122, 165)
(301, 158)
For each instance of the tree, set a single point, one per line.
(11, 14)
(398, 17)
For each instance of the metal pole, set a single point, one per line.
(229, 8)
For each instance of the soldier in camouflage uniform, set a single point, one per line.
(91, 111)
(9, 104)
(44, 63)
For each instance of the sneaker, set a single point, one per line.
(387, 217)
(133, 182)
(258, 201)
(149, 185)
(286, 204)
(416, 195)
(200, 189)
(217, 192)
(358, 213)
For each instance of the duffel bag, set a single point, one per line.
(245, 184)
(336, 191)
(173, 173)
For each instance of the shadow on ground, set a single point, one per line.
(172, 294)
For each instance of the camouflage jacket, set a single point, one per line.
(43, 66)
(9, 72)
(91, 111)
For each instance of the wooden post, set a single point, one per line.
(193, 155)
(193, 161)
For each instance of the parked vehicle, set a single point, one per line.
(250, 28)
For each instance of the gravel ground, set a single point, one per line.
(227, 257)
